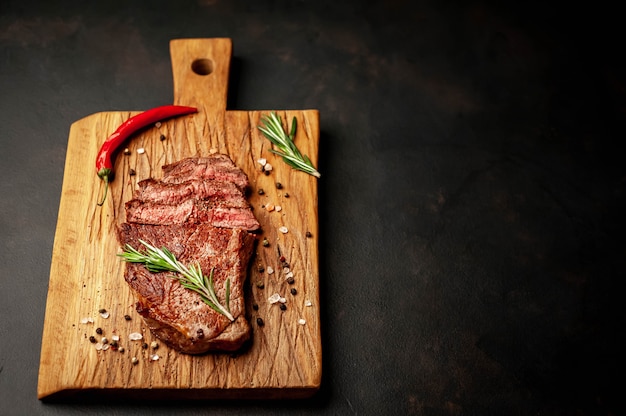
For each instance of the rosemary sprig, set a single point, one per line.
(274, 132)
(190, 277)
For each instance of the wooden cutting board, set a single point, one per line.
(284, 358)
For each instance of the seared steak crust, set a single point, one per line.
(217, 167)
(199, 212)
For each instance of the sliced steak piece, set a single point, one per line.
(192, 211)
(176, 315)
(217, 167)
(175, 193)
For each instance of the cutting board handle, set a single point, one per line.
(200, 69)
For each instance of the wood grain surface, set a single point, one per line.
(283, 358)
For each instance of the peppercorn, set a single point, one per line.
(261, 191)
(286, 195)
(267, 172)
(282, 259)
(293, 291)
(132, 172)
(279, 185)
(255, 307)
(265, 242)
(121, 350)
(92, 339)
(144, 345)
(102, 310)
(200, 333)
(261, 269)
(283, 307)
(260, 284)
(162, 137)
(308, 234)
(127, 317)
(290, 280)
(99, 331)
(134, 360)
(259, 321)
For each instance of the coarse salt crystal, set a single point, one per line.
(105, 315)
(262, 161)
(308, 303)
(267, 167)
(286, 270)
(87, 320)
(270, 270)
(283, 229)
(141, 150)
(301, 321)
(99, 346)
(269, 207)
(274, 298)
(278, 208)
(115, 337)
(289, 275)
(157, 124)
(213, 150)
(282, 300)
(154, 357)
(105, 347)
(135, 336)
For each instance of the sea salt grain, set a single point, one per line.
(274, 298)
(135, 336)
(283, 229)
(87, 320)
(301, 321)
(270, 270)
(141, 150)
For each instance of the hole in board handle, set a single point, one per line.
(202, 66)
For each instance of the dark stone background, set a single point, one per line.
(471, 202)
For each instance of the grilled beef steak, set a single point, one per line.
(176, 315)
(199, 212)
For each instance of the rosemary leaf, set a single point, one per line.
(272, 129)
(191, 277)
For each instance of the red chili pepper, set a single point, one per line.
(104, 161)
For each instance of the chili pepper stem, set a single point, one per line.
(104, 174)
(106, 187)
